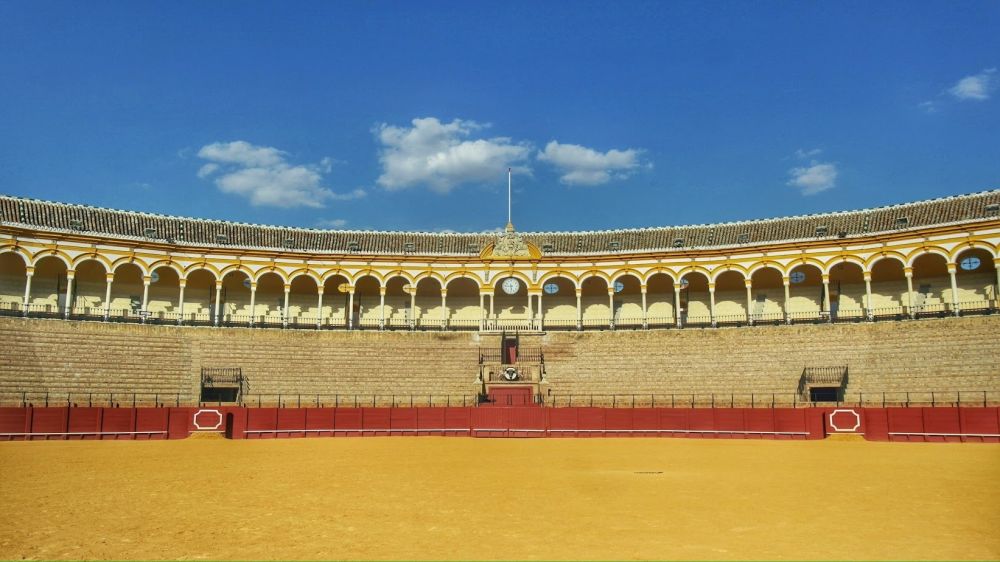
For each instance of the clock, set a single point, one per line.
(511, 285)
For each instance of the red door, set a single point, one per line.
(510, 351)
(510, 396)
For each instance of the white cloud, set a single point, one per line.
(803, 154)
(928, 106)
(976, 87)
(580, 165)
(815, 178)
(262, 175)
(331, 223)
(442, 156)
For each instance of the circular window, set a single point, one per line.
(684, 283)
(246, 283)
(154, 277)
(619, 286)
(970, 263)
(551, 288)
(797, 277)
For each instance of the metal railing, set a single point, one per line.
(879, 399)
(71, 398)
(293, 400)
(305, 322)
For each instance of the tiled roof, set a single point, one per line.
(199, 232)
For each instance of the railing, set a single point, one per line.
(293, 400)
(303, 322)
(523, 375)
(524, 355)
(774, 400)
(88, 399)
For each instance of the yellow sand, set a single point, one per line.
(447, 498)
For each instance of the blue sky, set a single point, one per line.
(406, 115)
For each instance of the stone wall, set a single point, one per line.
(928, 355)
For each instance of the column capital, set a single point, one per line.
(288, 287)
(253, 286)
(825, 277)
(444, 293)
(109, 277)
(748, 283)
(711, 287)
(218, 284)
(381, 291)
(952, 267)
(29, 271)
(867, 275)
(908, 271)
(182, 283)
(146, 280)
(611, 291)
(642, 289)
(579, 292)
(319, 290)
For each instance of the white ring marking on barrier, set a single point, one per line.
(203, 411)
(857, 420)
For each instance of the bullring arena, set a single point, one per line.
(812, 387)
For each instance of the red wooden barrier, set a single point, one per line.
(14, 423)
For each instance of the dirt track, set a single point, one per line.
(447, 498)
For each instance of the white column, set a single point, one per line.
(996, 293)
(788, 285)
(541, 312)
(952, 269)
(868, 295)
(27, 290)
(67, 306)
(711, 303)
(749, 285)
(145, 296)
(645, 320)
(444, 309)
(319, 308)
(284, 311)
(493, 316)
(381, 308)
(180, 302)
(677, 305)
(253, 300)
(350, 308)
(579, 308)
(482, 311)
(531, 310)
(826, 296)
(413, 307)
(908, 272)
(611, 307)
(218, 304)
(110, 277)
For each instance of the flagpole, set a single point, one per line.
(508, 197)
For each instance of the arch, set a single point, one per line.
(61, 256)
(14, 249)
(912, 257)
(766, 265)
(367, 274)
(561, 274)
(456, 278)
(595, 273)
(971, 245)
(807, 264)
(96, 258)
(428, 275)
(693, 269)
(728, 268)
(169, 264)
(616, 276)
(305, 272)
(236, 267)
(130, 260)
(334, 273)
(463, 274)
(669, 274)
(201, 266)
(271, 270)
(397, 273)
(841, 259)
(887, 255)
(105, 262)
(804, 260)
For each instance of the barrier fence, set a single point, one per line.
(878, 424)
(301, 322)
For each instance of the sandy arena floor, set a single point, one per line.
(447, 498)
